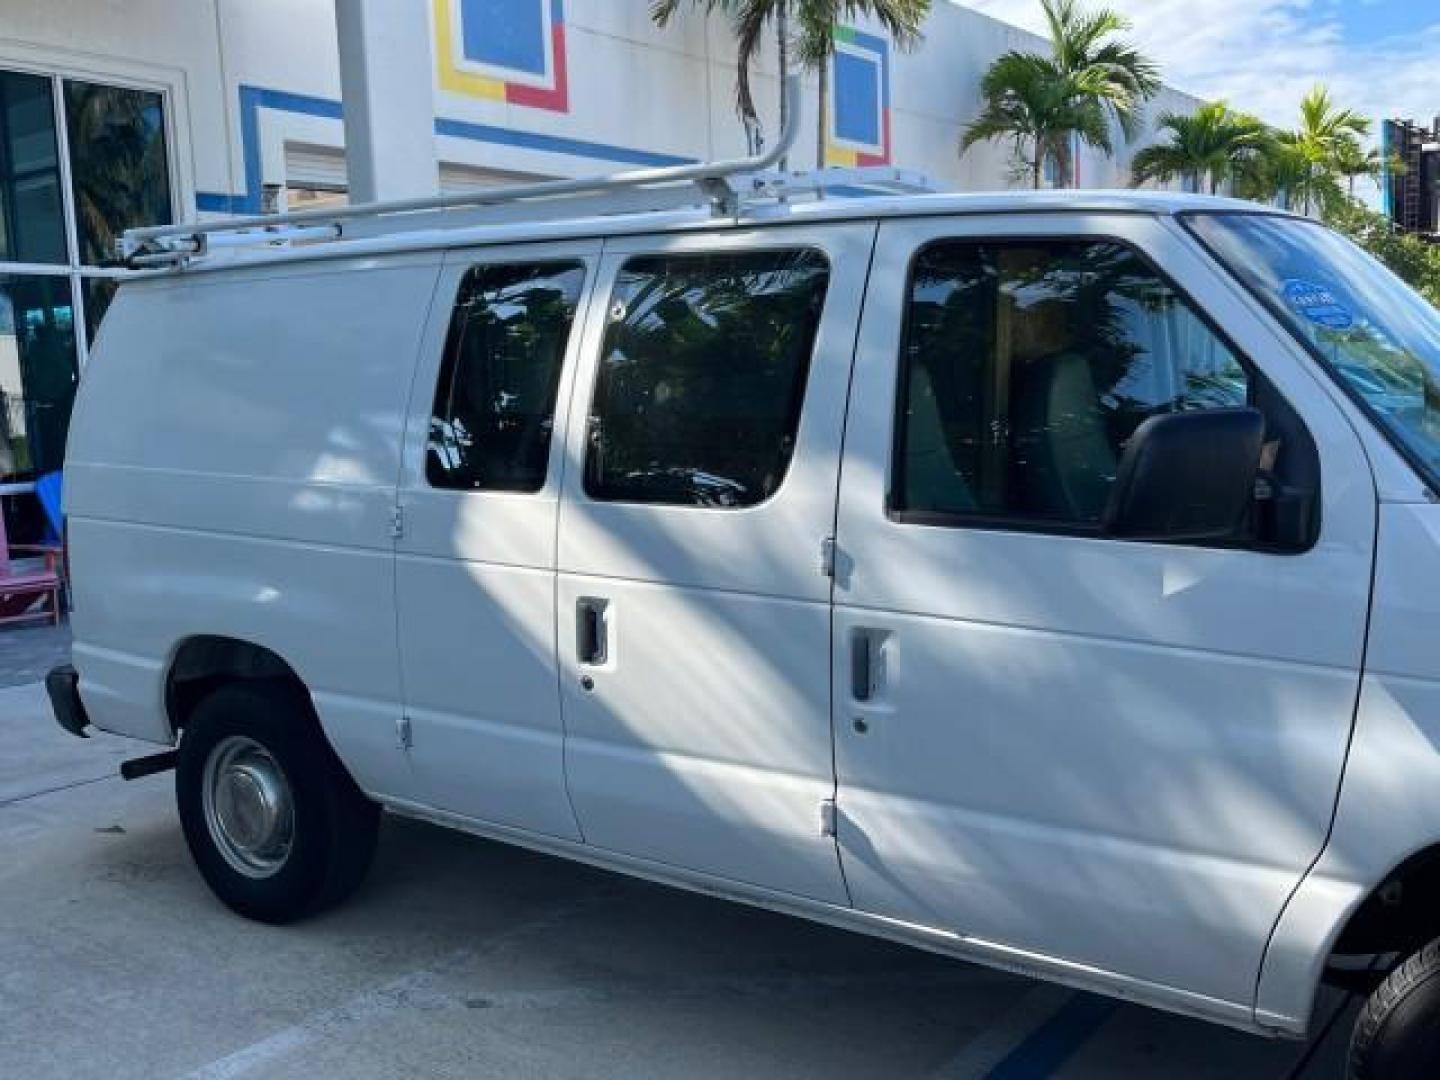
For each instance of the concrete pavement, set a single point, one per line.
(464, 958)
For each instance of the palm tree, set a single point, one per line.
(1028, 100)
(1090, 80)
(1326, 125)
(1213, 145)
(1355, 162)
(817, 20)
(748, 19)
(1326, 135)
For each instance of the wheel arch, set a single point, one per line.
(1335, 916)
(1400, 913)
(201, 663)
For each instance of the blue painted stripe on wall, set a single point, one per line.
(255, 98)
(215, 202)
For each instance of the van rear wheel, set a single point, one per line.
(1397, 1036)
(274, 822)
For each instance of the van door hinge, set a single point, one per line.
(397, 522)
(404, 738)
(827, 817)
(827, 557)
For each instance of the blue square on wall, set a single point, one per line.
(508, 34)
(857, 98)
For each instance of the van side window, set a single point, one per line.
(1026, 366)
(495, 404)
(702, 376)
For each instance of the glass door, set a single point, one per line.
(80, 162)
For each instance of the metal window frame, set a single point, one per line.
(72, 269)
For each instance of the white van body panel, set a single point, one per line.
(261, 480)
(1032, 965)
(1390, 801)
(1106, 764)
(1123, 754)
(705, 741)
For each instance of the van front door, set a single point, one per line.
(475, 572)
(694, 611)
(1121, 755)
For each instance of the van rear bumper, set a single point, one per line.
(63, 687)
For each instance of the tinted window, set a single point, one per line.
(702, 376)
(495, 406)
(1027, 366)
(38, 374)
(117, 162)
(32, 223)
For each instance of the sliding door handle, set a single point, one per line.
(591, 633)
(861, 670)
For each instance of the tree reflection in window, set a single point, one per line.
(1027, 367)
(118, 164)
(494, 410)
(702, 377)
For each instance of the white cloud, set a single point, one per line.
(1264, 55)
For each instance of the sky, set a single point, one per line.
(1379, 57)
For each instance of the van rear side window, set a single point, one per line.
(702, 377)
(495, 404)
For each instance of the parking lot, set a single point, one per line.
(462, 957)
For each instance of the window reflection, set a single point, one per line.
(37, 374)
(1372, 331)
(495, 404)
(702, 377)
(1027, 367)
(118, 164)
(32, 222)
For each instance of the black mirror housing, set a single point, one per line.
(1187, 476)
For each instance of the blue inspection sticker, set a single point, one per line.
(1318, 304)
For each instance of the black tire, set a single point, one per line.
(1397, 1035)
(332, 825)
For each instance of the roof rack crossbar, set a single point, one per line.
(161, 243)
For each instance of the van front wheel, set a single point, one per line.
(1397, 1036)
(275, 824)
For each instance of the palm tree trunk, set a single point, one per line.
(1038, 165)
(821, 118)
(782, 34)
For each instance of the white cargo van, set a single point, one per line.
(1051, 580)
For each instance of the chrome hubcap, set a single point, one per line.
(248, 806)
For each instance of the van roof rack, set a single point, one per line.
(727, 187)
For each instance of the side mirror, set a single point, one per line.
(1187, 476)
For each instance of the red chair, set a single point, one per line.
(22, 586)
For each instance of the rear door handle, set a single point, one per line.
(591, 635)
(861, 671)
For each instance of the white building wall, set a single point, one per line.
(246, 78)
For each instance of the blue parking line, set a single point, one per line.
(1053, 1042)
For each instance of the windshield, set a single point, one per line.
(1375, 334)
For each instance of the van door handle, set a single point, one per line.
(591, 635)
(860, 666)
